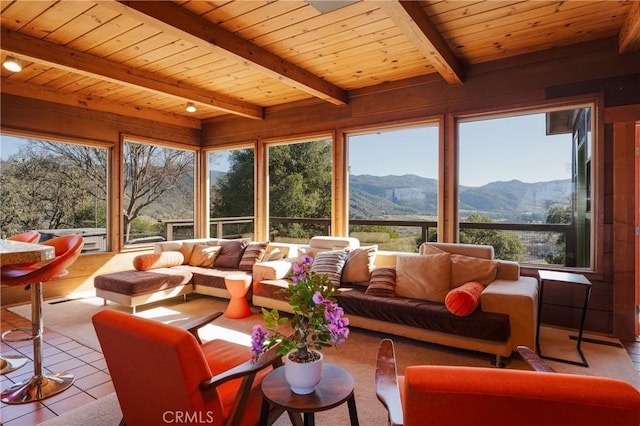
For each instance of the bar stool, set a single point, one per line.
(9, 363)
(40, 386)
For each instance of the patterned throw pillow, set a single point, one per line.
(165, 259)
(330, 263)
(204, 256)
(252, 254)
(382, 283)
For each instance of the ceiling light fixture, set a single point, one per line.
(12, 64)
(191, 107)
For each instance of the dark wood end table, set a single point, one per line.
(335, 388)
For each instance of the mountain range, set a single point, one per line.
(411, 195)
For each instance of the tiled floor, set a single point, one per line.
(89, 368)
(92, 379)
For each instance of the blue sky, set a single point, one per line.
(491, 150)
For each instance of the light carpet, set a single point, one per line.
(72, 318)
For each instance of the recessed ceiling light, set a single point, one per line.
(12, 64)
(191, 107)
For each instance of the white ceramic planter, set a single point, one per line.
(303, 377)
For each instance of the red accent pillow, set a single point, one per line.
(463, 300)
(166, 259)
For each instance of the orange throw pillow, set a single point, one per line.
(463, 300)
(166, 259)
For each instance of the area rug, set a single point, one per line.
(72, 318)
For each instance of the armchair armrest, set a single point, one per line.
(196, 324)
(387, 389)
(535, 362)
(247, 371)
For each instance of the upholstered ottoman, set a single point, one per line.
(133, 288)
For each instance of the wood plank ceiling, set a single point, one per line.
(149, 59)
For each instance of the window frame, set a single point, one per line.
(593, 101)
(82, 142)
(119, 184)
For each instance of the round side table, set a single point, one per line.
(237, 285)
(335, 388)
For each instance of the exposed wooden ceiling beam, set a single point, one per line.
(411, 19)
(629, 37)
(58, 56)
(58, 96)
(173, 19)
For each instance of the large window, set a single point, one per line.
(158, 201)
(393, 187)
(525, 186)
(231, 193)
(299, 190)
(54, 187)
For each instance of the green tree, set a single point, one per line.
(299, 186)
(506, 246)
(232, 194)
(150, 173)
(559, 213)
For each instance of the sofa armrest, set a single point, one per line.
(508, 270)
(519, 300)
(273, 269)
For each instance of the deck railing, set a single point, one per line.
(540, 241)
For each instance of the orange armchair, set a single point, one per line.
(439, 395)
(162, 374)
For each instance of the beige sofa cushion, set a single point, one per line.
(204, 255)
(360, 263)
(469, 268)
(424, 277)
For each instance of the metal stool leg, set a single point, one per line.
(41, 385)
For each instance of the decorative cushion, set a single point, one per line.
(426, 248)
(382, 283)
(230, 253)
(165, 259)
(252, 254)
(274, 254)
(330, 263)
(204, 255)
(359, 264)
(187, 249)
(468, 268)
(463, 300)
(423, 277)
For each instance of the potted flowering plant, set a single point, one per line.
(317, 320)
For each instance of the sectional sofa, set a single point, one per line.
(177, 268)
(416, 295)
(450, 294)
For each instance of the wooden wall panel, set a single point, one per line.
(31, 115)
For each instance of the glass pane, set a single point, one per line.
(158, 193)
(54, 187)
(393, 176)
(525, 186)
(299, 191)
(231, 177)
